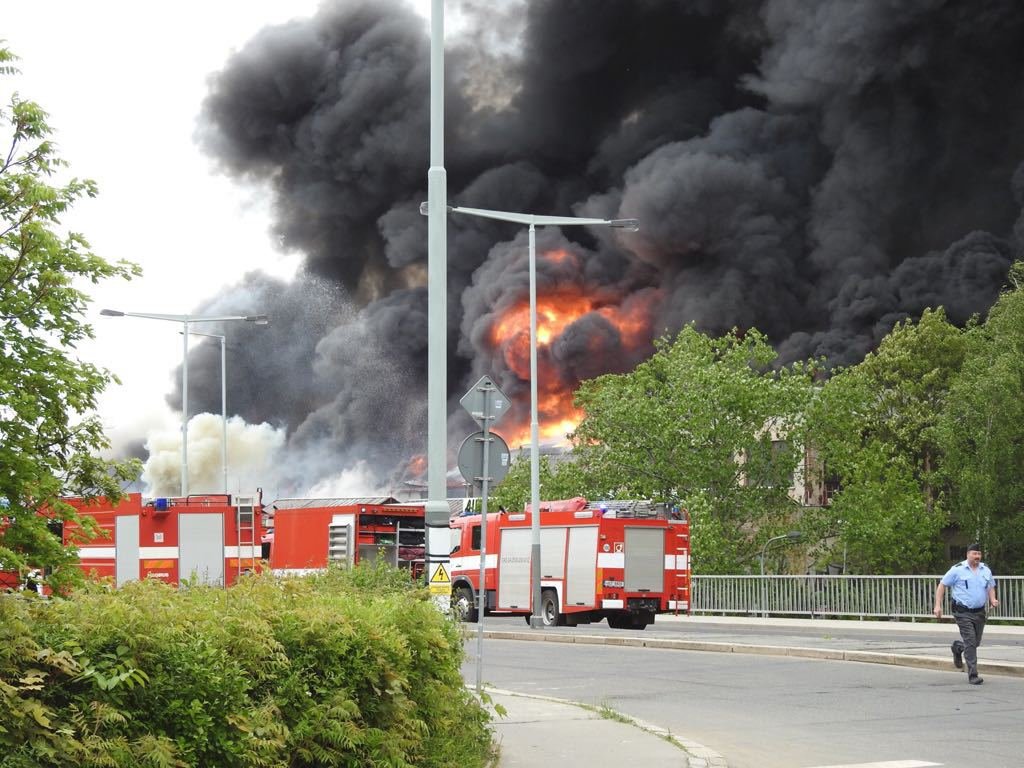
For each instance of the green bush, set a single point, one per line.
(346, 668)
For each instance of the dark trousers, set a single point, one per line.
(971, 626)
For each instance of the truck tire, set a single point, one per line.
(462, 604)
(551, 616)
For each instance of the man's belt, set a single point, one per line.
(961, 608)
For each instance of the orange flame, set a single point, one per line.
(554, 314)
(556, 311)
(560, 256)
(556, 418)
(417, 466)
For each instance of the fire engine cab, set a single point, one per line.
(620, 561)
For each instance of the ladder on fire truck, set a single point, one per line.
(681, 589)
(245, 526)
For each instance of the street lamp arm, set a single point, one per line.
(259, 320)
(791, 536)
(208, 335)
(531, 219)
(515, 218)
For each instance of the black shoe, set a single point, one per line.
(975, 680)
(958, 656)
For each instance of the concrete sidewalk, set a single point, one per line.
(540, 731)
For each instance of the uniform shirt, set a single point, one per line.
(969, 587)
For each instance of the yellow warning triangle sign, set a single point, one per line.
(440, 575)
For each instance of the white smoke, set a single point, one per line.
(252, 454)
(358, 480)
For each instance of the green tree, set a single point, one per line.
(49, 435)
(706, 422)
(561, 480)
(981, 431)
(874, 426)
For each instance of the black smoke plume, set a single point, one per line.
(818, 171)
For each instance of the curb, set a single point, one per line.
(697, 755)
(1010, 669)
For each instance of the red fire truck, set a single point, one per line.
(308, 534)
(212, 538)
(620, 561)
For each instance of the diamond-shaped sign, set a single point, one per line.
(485, 402)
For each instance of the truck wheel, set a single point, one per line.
(462, 604)
(549, 612)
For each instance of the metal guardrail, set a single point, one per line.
(891, 597)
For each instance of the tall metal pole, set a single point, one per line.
(535, 617)
(764, 607)
(223, 401)
(184, 413)
(224, 410)
(481, 595)
(436, 512)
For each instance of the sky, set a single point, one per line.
(819, 176)
(123, 82)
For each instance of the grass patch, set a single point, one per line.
(607, 713)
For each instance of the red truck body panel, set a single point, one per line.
(215, 538)
(595, 564)
(308, 535)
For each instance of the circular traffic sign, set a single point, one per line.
(471, 459)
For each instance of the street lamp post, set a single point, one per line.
(533, 221)
(842, 532)
(436, 513)
(186, 320)
(791, 536)
(223, 402)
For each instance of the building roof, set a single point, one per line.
(455, 505)
(336, 502)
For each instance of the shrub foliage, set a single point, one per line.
(321, 671)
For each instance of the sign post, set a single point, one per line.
(485, 403)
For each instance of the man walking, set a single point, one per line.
(971, 586)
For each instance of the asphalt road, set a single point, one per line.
(778, 712)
